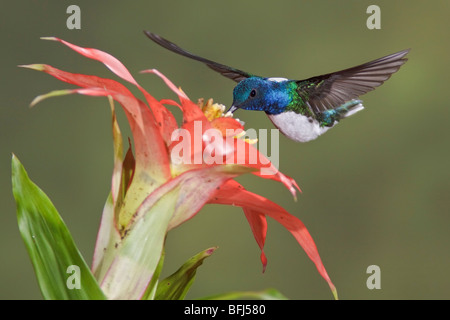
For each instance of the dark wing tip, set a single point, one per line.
(397, 56)
(329, 91)
(155, 37)
(402, 54)
(167, 44)
(158, 39)
(231, 73)
(149, 34)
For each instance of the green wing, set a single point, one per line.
(331, 90)
(231, 73)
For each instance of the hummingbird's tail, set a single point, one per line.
(349, 108)
(329, 118)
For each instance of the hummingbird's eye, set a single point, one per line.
(253, 93)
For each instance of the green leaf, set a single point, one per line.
(55, 257)
(268, 294)
(176, 286)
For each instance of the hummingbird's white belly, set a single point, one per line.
(298, 127)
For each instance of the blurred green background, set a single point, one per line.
(375, 188)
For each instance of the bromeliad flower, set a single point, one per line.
(173, 172)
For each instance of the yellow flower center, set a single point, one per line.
(211, 110)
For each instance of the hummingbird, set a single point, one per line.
(302, 109)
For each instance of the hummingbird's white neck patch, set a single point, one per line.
(277, 79)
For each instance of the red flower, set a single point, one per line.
(159, 175)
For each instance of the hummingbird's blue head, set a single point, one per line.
(261, 94)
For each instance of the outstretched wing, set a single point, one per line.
(331, 90)
(231, 73)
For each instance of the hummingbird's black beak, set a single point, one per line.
(232, 109)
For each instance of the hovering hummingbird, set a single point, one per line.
(302, 109)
